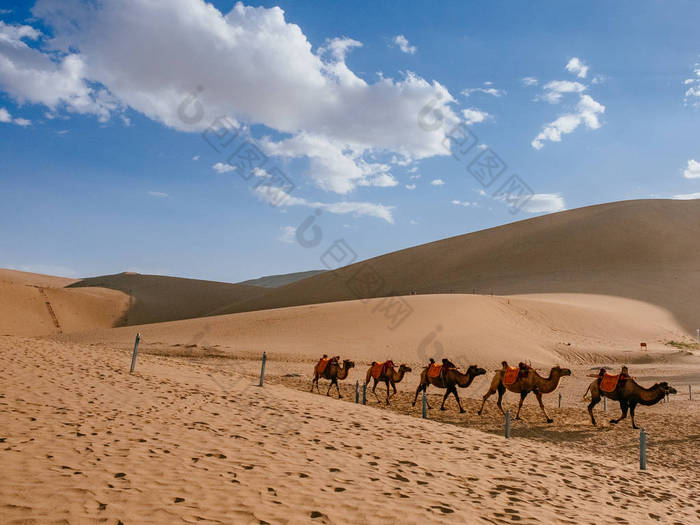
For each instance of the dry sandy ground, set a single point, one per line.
(184, 441)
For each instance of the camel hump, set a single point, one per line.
(504, 364)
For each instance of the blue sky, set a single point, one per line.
(100, 173)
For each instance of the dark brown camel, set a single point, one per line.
(332, 372)
(531, 382)
(629, 394)
(451, 378)
(390, 376)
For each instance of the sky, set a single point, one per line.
(227, 141)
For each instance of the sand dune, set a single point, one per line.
(32, 304)
(156, 298)
(466, 328)
(84, 441)
(645, 250)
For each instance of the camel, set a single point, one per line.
(451, 378)
(390, 376)
(532, 382)
(333, 372)
(629, 394)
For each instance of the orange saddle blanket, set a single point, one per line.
(510, 376)
(322, 364)
(379, 369)
(434, 370)
(609, 383)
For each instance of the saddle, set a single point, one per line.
(609, 382)
(323, 363)
(434, 370)
(513, 373)
(379, 369)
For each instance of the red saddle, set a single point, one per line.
(434, 370)
(609, 383)
(379, 369)
(510, 376)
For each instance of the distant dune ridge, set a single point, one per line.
(275, 281)
(646, 251)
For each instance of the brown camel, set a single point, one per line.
(629, 394)
(531, 382)
(451, 378)
(390, 376)
(332, 372)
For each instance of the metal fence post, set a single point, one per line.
(262, 369)
(559, 399)
(643, 449)
(136, 350)
(508, 424)
(364, 393)
(425, 405)
(357, 391)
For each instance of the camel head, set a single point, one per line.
(474, 371)
(561, 371)
(668, 389)
(347, 364)
(404, 368)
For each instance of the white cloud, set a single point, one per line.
(410, 186)
(529, 81)
(463, 203)
(554, 90)
(6, 118)
(587, 111)
(437, 182)
(101, 55)
(288, 234)
(278, 197)
(403, 44)
(577, 67)
(485, 90)
(196, 157)
(474, 116)
(413, 221)
(158, 194)
(687, 196)
(692, 171)
(544, 203)
(221, 167)
(692, 93)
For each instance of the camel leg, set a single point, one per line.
(501, 391)
(447, 393)
(594, 401)
(387, 392)
(423, 387)
(632, 407)
(314, 380)
(337, 388)
(459, 404)
(328, 393)
(374, 388)
(539, 399)
(623, 407)
(520, 405)
(483, 400)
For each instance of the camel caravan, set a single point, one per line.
(522, 379)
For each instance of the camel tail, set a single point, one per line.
(369, 373)
(586, 393)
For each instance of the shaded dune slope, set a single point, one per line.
(645, 250)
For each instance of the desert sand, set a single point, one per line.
(189, 437)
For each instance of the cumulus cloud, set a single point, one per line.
(437, 182)
(222, 167)
(288, 234)
(158, 194)
(692, 93)
(529, 81)
(687, 196)
(474, 116)
(249, 63)
(555, 90)
(692, 170)
(577, 67)
(277, 196)
(6, 118)
(544, 203)
(586, 113)
(410, 186)
(463, 203)
(403, 44)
